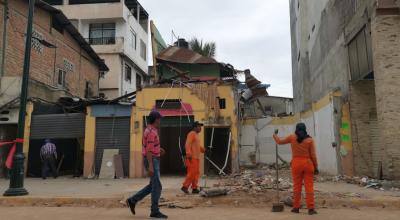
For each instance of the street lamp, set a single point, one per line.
(17, 171)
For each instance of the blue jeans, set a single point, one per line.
(154, 187)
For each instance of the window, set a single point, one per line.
(36, 45)
(222, 103)
(360, 56)
(102, 34)
(143, 50)
(55, 24)
(87, 90)
(61, 78)
(168, 104)
(133, 39)
(128, 73)
(138, 81)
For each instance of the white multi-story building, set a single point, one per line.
(118, 32)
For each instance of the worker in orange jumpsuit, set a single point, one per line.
(193, 149)
(304, 165)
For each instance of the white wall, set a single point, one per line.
(141, 34)
(320, 126)
(123, 26)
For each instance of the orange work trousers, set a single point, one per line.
(303, 171)
(193, 173)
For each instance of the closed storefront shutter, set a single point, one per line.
(113, 133)
(58, 126)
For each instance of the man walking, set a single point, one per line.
(193, 149)
(48, 155)
(151, 153)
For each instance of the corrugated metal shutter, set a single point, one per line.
(375, 143)
(58, 126)
(113, 133)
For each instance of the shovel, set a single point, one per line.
(278, 206)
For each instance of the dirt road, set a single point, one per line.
(35, 213)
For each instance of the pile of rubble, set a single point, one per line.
(383, 185)
(256, 181)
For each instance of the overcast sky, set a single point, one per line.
(253, 34)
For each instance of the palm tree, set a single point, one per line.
(207, 49)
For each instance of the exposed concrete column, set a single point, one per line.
(386, 46)
(90, 140)
(27, 133)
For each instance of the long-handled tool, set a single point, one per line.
(278, 206)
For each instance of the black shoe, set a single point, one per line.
(185, 190)
(296, 210)
(312, 212)
(158, 215)
(195, 191)
(131, 206)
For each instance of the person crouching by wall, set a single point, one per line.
(304, 166)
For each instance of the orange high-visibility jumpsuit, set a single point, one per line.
(193, 149)
(304, 163)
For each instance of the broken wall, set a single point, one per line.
(320, 124)
(362, 108)
(386, 56)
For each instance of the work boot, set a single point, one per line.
(185, 190)
(195, 191)
(131, 206)
(296, 210)
(158, 215)
(312, 212)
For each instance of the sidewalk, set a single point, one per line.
(110, 193)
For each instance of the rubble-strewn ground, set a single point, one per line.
(250, 188)
(214, 213)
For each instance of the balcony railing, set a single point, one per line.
(101, 40)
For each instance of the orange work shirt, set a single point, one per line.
(305, 149)
(193, 147)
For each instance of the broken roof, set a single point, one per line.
(183, 55)
(70, 28)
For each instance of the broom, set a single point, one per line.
(278, 206)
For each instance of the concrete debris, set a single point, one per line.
(383, 185)
(214, 192)
(174, 204)
(256, 181)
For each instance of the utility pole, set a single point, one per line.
(4, 38)
(17, 172)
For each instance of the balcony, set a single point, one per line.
(106, 10)
(107, 45)
(101, 41)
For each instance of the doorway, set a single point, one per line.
(173, 131)
(69, 157)
(218, 153)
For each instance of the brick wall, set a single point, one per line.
(45, 62)
(386, 47)
(362, 104)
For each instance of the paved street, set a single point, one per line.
(100, 188)
(33, 213)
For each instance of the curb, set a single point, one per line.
(230, 201)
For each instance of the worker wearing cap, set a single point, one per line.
(304, 165)
(151, 154)
(193, 149)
